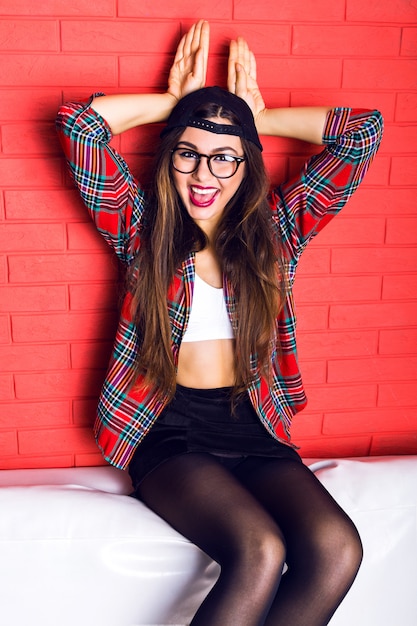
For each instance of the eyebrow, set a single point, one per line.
(214, 151)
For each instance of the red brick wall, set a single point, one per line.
(357, 282)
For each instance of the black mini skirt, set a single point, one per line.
(202, 420)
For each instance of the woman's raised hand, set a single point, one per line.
(189, 69)
(241, 76)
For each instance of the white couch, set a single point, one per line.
(76, 550)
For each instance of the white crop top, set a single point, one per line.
(208, 318)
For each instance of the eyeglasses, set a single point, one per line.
(187, 161)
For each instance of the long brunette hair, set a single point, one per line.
(249, 252)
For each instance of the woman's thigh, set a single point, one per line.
(308, 516)
(203, 501)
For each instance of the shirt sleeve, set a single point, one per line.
(306, 203)
(107, 187)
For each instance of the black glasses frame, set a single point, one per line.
(237, 159)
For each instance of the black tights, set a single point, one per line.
(251, 521)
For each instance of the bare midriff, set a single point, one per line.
(207, 364)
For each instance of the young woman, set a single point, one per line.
(203, 381)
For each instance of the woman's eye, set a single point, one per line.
(223, 158)
(189, 155)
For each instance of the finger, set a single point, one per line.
(243, 53)
(241, 81)
(231, 67)
(188, 41)
(180, 50)
(252, 66)
(204, 45)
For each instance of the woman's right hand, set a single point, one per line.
(189, 69)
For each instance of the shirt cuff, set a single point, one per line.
(336, 124)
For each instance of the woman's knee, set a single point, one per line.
(337, 547)
(261, 552)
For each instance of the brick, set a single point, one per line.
(264, 38)
(398, 341)
(306, 425)
(373, 260)
(356, 230)
(4, 328)
(312, 317)
(59, 268)
(39, 298)
(394, 395)
(63, 327)
(379, 74)
(314, 260)
(29, 172)
(24, 414)
(15, 358)
(399, 287)
(409, 41)
(369, 421)
(63, 385)
(406, 108)
(393, 444)
(334, 447)
(36, 138)
(3, 274)
(384, 201)
(41, 204)
(50, 70)
(20, 35)
(337, 288)
(329, 344)
(8, 443)
(402, 231)
(85, 237)
(56, 441)
(30, 237)
(89, 460)
(57, 8)
(6, 387)
(84, 412)
(36, 462)
(300, 73)
(399, 139)
(141, 139)
(335, 397)
(29, 104)
(380, 315)
(346, 40)
(385, 102)
(120, 36)
(149, 71)
(376, 368)
(403, 170)
(91, 355)
(290, 10)
(276, 168)
(102, 296)
(314, 372)
(171, 10)
(395, 11)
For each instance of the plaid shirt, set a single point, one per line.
(300, 209)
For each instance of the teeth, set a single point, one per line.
(203, 192)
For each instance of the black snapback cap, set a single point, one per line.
(182, 115)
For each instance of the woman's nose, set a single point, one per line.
(203, 171)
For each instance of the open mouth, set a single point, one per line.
(202, 196)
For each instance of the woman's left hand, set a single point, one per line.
(189, 69)
(241, 78)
